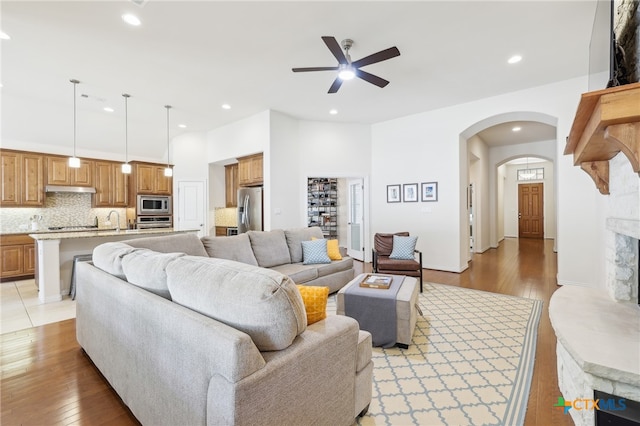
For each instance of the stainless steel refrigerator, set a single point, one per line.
(249, 209)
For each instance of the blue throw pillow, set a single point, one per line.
(315, 251)
(403, 247)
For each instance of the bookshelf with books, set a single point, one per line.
(322, 205)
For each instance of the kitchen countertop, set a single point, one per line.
(53, 235)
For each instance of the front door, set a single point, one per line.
(530, 210)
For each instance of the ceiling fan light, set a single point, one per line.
(346, 72)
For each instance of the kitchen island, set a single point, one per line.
(55, 252)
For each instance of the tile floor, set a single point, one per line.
(20, 307)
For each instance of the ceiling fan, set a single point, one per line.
(347, 69)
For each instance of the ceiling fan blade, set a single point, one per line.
(314, 69)
(373, 79)
(382, 55)
(336, 85)
(335, 48)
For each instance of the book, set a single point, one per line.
(376, 281)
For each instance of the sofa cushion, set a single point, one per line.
(146, 269)
(236, 247)
(403, 247)
(298, 272)
(269, 247)
(333, 250)
(315, 252)
(296, 236)
(260, 302)
(177, 243)
(108, 257)
(315, 302)
(335, 267)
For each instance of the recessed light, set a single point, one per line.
(4, 36)
(516, 129)
(333, 111)
(131, 19)
(226, 106)
(108, 109)
(182, 126)
(514, 59)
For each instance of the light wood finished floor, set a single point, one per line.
(47, 378)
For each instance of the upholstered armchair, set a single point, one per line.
(405, 260)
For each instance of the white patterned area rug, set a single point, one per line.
(470, 362)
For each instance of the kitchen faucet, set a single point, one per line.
(117, 217)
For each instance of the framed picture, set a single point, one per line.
(430, 191)
(410, 192)
(393, 193)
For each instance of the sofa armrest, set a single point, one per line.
(312, 379)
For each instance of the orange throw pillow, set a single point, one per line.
(315, 302)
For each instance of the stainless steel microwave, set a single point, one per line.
(154, 205)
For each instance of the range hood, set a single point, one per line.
(75, 189)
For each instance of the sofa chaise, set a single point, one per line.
(184, 338)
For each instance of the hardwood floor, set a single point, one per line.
(47, 378)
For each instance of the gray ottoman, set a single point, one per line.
(406, 307)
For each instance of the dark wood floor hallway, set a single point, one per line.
(48, 380)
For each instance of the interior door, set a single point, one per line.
(530, 210)
(191, 206)
(355, 223)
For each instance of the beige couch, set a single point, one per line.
(281, 250)
(187, 339)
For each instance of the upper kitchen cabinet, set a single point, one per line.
(150, 179)
(22, 179)
(250, 170)
(231, 185)
(112, 185)
(59, 172)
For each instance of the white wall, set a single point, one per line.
(284, 172)
(429, 147)
(511, 199)
(479, 175)
(501, 172)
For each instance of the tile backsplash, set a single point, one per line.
(61, 209)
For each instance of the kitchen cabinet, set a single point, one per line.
(112, 185)
(22, 179)
(221, 231)
(150, 179)
(18, 256)
(231, 185)
(250, 170)
(59, 172)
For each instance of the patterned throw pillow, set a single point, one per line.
(333, 249)
(315, 302)
(314, 251)
(403, 247)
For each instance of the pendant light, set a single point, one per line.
(126, 167)
(74, 162)
(168, 171)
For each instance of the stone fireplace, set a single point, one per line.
(598, 329)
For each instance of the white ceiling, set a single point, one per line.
(198, 55)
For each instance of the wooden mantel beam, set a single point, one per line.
(607, 122)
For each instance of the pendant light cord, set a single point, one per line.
(75, 83)
(168, 107)
(126, 128)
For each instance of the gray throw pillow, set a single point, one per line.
(403, 248)
(314, 252)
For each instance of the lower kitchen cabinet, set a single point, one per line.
(18, 257)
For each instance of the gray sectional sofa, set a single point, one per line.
(184, 338)
(281, 250)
